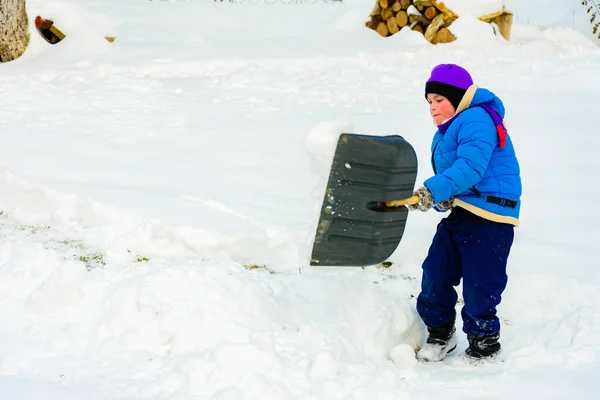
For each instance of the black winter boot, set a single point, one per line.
(483, 346)
(441, 341)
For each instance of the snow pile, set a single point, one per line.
(321, 143)
(472, 32)
(84, 30)
(476, 8)
(191, 327)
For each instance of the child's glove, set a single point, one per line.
(444, 205)
(425, 200)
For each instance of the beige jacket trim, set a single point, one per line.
(480, 212)
(465, 102)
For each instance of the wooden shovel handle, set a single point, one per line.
(397, 203)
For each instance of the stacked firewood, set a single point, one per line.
(430, 17)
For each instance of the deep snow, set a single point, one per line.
(159, 197)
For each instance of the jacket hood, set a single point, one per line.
(479, 97)
(485, 97)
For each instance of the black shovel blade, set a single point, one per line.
(355, 227)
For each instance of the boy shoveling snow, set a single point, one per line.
(477, 177)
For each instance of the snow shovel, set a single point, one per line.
(363, 216)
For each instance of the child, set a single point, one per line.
(477, 177)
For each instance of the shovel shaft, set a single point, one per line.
(397, 203)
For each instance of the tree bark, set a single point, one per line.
(14, 36)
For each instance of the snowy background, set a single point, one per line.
(159, 195)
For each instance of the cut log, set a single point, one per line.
(419, 18)
(386, 14)
(373, 22)
(412, 10)
(412, 13)
(488, 17)
(402, 19)
(433, 28)
(48, 31)
(418, 27)
(14, 30)
(376, 10)
(382, 29)
(443, 9)
(405, 4)
(504, 23)
(422, 4)
(430, 12)
(443, 36)
(52, 34)
(430, 17)
(392, 26)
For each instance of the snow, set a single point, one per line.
(159, 197)
(477, 8)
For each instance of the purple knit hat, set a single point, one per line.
(450, 81)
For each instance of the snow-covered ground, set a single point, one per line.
(159, 195)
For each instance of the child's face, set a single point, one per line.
(440, 108)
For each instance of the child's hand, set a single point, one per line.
(425, 200)
(444, 205)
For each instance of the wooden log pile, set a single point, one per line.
(429, 17)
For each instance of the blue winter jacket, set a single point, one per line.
(471, 166)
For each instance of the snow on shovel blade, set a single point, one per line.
(355, 227)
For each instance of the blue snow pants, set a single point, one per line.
(472, 248)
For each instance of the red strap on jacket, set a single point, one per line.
(501, 135)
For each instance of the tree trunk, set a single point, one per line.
(14, 36)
